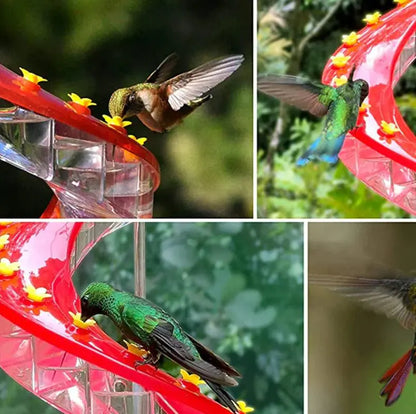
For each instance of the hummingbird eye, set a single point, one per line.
(130, 98)
(128, 104)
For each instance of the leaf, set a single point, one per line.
(243, 310)
(179, 255)
(268, 255)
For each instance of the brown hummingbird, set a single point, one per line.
(160, 103)
(396, 298)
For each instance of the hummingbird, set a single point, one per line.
(340, 105)
(396, 298)
(161, 103)
(160, 335)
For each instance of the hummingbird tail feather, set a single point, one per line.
(322, 150)
(224, 397)
(395, 377)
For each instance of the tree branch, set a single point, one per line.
(318, 27)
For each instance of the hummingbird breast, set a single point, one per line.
(157, 114)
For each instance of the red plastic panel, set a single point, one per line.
(382, 54)
(12, 88)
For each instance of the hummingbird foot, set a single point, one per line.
(150, 359)
(362, 124)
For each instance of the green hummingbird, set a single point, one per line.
(161, 335)
(340, 105)
(160, 103)
(396, 298)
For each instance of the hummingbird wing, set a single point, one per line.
(161, 333)
(178, 352)
(164, 70)
(209, 356)
(295, 91)
(396, 298)
(188, 86)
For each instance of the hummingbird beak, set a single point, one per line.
(351, 74)
(84, 318)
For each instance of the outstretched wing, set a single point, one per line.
(294, 91)
(188, 86)
(164, 70)
(161, 333)
(388, 296)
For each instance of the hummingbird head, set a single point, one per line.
(92, 299)
(362, 87)
(122, 103)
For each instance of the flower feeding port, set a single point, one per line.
(93, 168)
(381, 151)
(75, 368)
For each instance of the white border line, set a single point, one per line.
(305, 316)
(255, 109)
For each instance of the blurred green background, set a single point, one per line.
(350, 347)
(237, 287)
(297, 37)
(94, 47)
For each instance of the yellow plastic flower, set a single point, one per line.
(401, 2)
(338, 81)
(136, 349)
(141, 140)
(4, 239)
(372, 19)
(116, 121)
(350, 39)
(36, 294)
(389, 128)
(244, 408)
(364, 106)
(7, 268)
(81, 101)
(340, 60)
(192, 378)
(76, 317)
(31, 77)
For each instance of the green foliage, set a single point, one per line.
(316, 190)
(237, 287)
(203, 164)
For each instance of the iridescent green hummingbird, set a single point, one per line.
(161, 335)
(160, 103)
(396, 298)
(340, 105)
